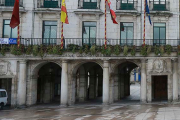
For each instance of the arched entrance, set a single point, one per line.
(89, 83)
(127, 87)
(49, 83)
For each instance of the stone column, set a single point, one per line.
(175, 81)
(64, 83)
(143, 81)
(106, 83)
(21, 95)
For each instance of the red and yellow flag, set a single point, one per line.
(113, 15)
(64, 16)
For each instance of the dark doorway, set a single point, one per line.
(49, 84)
(159, 87)
(6, 83)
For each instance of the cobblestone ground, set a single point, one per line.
(95, 112)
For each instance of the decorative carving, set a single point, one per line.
(159, 66)
(5, 67)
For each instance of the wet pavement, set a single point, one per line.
(158, 111)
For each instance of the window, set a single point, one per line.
(127, 33)
(127, 4)
(49, 32)
(2, 94)
(9, 2)
(159, 34)
(9, 32)
(89, 4)
(51, 4)
(159, 5)
(89, 33)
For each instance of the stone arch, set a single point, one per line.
(35, 66)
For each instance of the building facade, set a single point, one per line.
(74, 76)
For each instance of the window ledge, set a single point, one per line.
(127, 12)
(88, 11)
(10, 9)
(161, 13)
(47, 10)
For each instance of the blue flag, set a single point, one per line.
(147, 12)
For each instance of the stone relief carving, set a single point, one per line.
(159, 66)
(5, 67)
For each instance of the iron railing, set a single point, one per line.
(89, 5)
(159, 5)
(48, 4)
(99, 42)
(10, 3)
(126, 4)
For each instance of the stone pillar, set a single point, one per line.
(64, 83)
(21, 95)
(106, 83)
(143, 81)
(175, 80)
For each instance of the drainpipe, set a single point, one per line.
(33, 17)
(141, 20)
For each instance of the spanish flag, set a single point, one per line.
(113, 15)
(64, 16)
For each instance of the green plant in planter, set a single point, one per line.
(35, 50)
(42, 51)
(15, 50)
(81, 49)
(161, 50)
(178, 49)
(74, 49)
(133, 50)
(103, 50)
(55, 49)
(108, 50)
(149, 48)
(86, 49)
(3, 50)
(143, 50)
(29, 50)
(93, 49)
(50, 49)
(125, 50)
(156, 50)
(117, 49)
(168, 49)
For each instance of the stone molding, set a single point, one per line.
(5, 68)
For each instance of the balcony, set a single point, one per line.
(10, 3)
(48, 3)
(89, 4)
(126, 5)
(159, 5)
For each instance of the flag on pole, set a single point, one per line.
(15, 20)
(64, 16)
(147, 12)
(113, 15)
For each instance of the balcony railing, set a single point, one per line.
(48, 3)
(159, 6)
(100, 42)
(126, 4)
(91, 4)
(10, 3)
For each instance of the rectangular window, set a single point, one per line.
(51, 4)
(127, 4)
(2, 94)
(159, 5)
(9, 32)
(89, 33)
(159, 34)
(49, 32)
(127, 33)
(89, 4)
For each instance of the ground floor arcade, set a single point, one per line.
(69, 82)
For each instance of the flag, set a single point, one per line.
(64, 16)
(113, 15)
(15, 20)
(147, 12)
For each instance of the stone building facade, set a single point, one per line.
(73, 77)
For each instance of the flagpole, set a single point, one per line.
(18, 41)
(62, 44)
(144, 42)
(105, 26)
